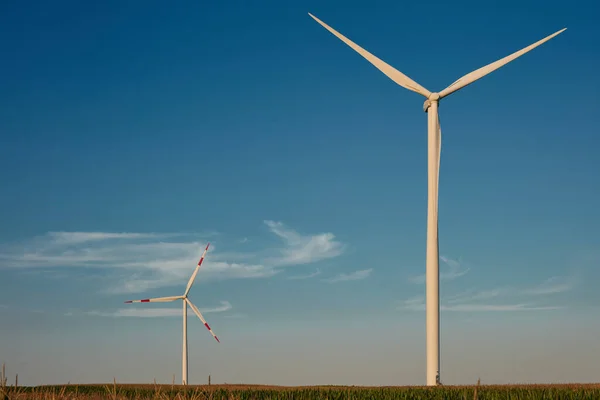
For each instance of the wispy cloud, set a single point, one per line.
(307, 276)
(353, 276)
(140, 312)
(455, 270)
(555, 284)
(418, 304)
(235, 316)
(472, 295)
(486, 300)
(81, 237)
(137, 262)
(498, 307)
(303, 249)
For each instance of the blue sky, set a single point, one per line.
(135, 132)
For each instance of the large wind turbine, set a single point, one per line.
(434, 139)
(186, 302)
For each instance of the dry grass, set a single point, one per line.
(154, 391)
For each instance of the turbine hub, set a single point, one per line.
(432, 97)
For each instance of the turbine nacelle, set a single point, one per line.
(432, 97)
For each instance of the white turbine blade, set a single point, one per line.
(387, 69)
(193, 277)
(156, 300)
(483, 71)
(195, 309)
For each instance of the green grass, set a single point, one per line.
(347, 393)
(256, 392)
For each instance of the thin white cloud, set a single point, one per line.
(140, 312)
(471, 295)
(456, 270)
(418, 304)
(497, 307)
(176, 272)
(470, 300)
(550, 286)
(301, 249)
(235, 316)
(353, 276)
(80, 237)
(307, 276)
(137, 262)
(553, 285)
(413, 303)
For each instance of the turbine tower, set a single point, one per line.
(434, 141)
(186, 302)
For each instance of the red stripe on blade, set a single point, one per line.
(217, 339)
(202, 258)
(145, 301)
(206, 325)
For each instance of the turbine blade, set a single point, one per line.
(193, 277)
(195, 309)
(387, 69)
(156, 300)
(483, 71)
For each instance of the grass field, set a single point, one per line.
(116, 391)
(248, 392)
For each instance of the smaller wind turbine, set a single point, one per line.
(186, 302)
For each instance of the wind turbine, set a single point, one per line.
(186, 302)
(434, 141)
